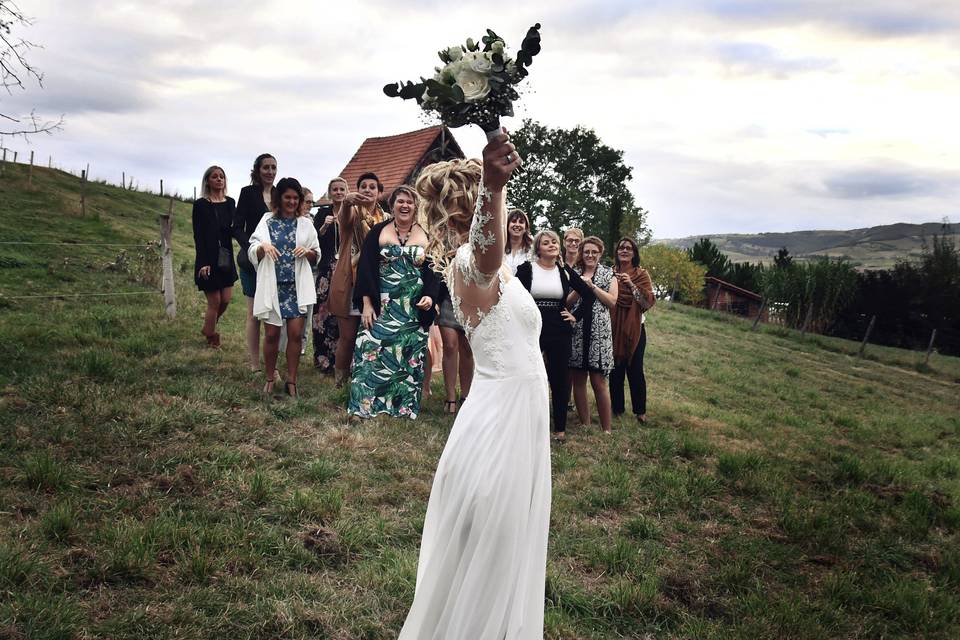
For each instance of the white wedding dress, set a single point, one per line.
(484, 550)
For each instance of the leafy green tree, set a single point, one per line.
(746, 275)
(571, 179)
(708, 254)
(673, 273)
(810, 295)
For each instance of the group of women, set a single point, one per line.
(369, 285)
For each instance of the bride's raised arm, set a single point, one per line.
(487, 231)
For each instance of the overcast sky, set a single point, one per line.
(736, 115)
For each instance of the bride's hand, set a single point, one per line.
(500, 158)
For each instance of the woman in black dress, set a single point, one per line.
(550, 282)
(254, 201)
(214, 270)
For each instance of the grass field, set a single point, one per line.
(782, 489)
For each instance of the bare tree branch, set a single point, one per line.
(15, 69)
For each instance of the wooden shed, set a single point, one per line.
(398, 159)
(723, 296)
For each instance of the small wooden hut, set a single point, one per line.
(723, 296)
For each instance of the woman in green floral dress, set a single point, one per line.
(395, 289)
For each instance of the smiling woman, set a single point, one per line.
(395, 289)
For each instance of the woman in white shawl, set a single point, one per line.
(283, 247)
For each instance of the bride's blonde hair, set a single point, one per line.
(446, 189)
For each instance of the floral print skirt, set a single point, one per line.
(325, 328)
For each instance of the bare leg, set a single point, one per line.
(451, 346)
(253, 338)
(210, 314)
(466, 364)
(271, 343)
(294, 342)
(602, 394)
(345, 343)
(579, 379)
(226, 295)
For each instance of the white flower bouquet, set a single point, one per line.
(476, 85)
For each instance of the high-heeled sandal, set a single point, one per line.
(268, 386)
(450, 406)
(286, 387)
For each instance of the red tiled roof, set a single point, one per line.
(392, 158)
(732, 287)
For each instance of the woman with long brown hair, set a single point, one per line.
(358, 213)
(519, 247)
(635, 297)
(253, 203)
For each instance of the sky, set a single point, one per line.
(736, 116)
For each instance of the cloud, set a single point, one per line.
(887, 182)
(752, 57)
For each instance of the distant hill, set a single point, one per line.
(872, 248)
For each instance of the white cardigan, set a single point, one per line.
(266, 301)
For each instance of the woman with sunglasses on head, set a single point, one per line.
(592, 345)
(635, 297)
(283, 247)
(253, 203)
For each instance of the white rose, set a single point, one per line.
(497, 47)
(475, 85)
(481, 64)
(455, 53)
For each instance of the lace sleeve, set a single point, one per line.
(480, 238)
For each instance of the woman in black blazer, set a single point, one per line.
(254, 201)
(550, 283)
(213, 269)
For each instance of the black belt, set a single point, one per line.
(548, 304)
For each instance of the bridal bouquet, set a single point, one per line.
(475, 86)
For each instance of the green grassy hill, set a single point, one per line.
(872, 248)
(782, 488)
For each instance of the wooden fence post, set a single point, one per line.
(166, 256)
(933, 336)
(161, 186)
(807, 319)
(3, 165)
(866, 336)
(49, 162)
(194, 193)
(15, 157)
(676, 285)
(763, 306)
(83, 194)
(30, 171)
(123, 179)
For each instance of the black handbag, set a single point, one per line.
(223, 259)
(243, 260)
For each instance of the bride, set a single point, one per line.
(483, 555)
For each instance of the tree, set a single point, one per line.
(811, 295)
(783, 258)
(671, 270)
(708, 254)
(16, 70)
(571, 179)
